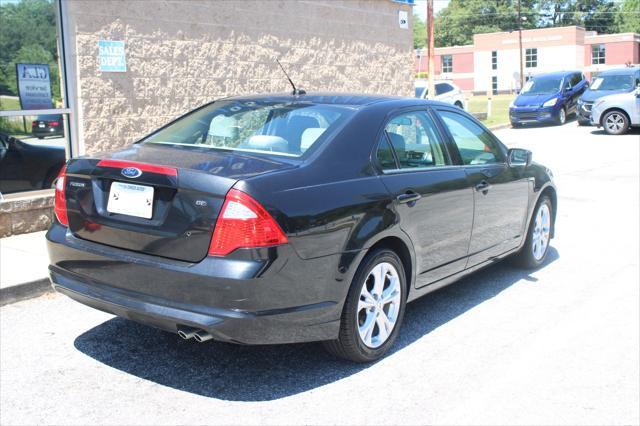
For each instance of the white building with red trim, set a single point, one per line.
(492, 61)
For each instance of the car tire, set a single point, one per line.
(40, 137)
(536, 247)
(583, 123)
(562, 116)
(516, 125)
(379, 272)
(615, 123)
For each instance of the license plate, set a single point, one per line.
(41, 125)
(130, 199)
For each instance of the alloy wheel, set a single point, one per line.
(379, 305)
(541, 232)
(562, 115)
(615, 122)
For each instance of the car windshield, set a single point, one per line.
(284, 128)
(419, 91)
(541, 86)
(613, 82)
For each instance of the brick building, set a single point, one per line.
(492, 61)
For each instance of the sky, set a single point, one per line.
(421, 7)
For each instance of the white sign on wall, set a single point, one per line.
(403, 19)
(111, 55)
(34, 86)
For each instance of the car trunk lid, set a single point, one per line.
(154, 199)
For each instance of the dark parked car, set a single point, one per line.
(548, 98)
(47, 125)
(278, 219)
(610, 82)
(25, 167)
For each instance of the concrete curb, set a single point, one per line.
(499, 126)
(24, 291)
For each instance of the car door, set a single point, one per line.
(501, 193)
(432, 198)
(444, 92)
(12, 167)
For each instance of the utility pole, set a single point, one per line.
(520, 45)
(431, 41)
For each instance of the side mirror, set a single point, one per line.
(520, 157)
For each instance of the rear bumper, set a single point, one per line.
(275, 299)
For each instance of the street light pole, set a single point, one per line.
(520, 45)
(432, 73)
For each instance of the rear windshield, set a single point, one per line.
(613, 82)
(541, 86)
(288, 129)
(51, 117)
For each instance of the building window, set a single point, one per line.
(494, 60)
(597, 54)
(447, 63)
(494, 85)
(531, 58)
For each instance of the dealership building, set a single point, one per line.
(492, 61)
(128, 67)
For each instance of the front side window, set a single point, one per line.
(278, 128)
(597, 54)
(413, 138)
(447, 63)
(475, 144)
(531, 58)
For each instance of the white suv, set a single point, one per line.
(446, 92)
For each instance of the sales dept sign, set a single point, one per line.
(34, 86)
(111, 56)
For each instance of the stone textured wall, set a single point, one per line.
(182, 54)
(30, 213)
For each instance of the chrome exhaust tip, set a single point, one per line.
(202, 336)
(187, 332)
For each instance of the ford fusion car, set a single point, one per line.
(547, 98)
(282, 218)
(609, 82)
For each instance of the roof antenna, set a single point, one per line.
(295, 91)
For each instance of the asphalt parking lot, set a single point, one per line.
(559, 345)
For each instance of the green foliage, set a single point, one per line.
(422, 74)
(628, 20)
(461, 19)
(419, 33)
(28, 34)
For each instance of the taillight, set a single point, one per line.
(53, 123)
(34, 123)
(244, 223)
(60, 202)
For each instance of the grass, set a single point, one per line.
(9, 103)
(499, 108)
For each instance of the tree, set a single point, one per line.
(593, 15)
(628, 19)
(461, 19)
(419, 32)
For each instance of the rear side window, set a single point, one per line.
(414, 141)
(475, 144)
(279, 128)
(443, 88)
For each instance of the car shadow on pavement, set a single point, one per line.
(261, 373)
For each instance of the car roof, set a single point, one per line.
(556, 74)
(620, 71)
(353, 100)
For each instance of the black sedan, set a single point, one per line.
(279, 219)
(25, 166)
(48, 125)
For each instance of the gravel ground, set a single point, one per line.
(559, 345)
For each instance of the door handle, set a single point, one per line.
(409, 197)
(483, 187)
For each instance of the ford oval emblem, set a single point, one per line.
(131, 172)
